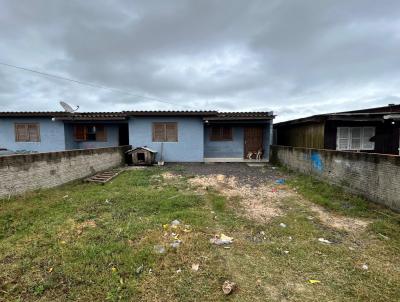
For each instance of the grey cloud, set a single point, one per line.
(296, 57)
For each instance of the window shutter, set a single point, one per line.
(221, 133)
(215, 133)
(355, 138)
(343, 138)
(368, 133)
(33, 132)
(101, 134)
(171, 132)
(226, 133)
(21, 133)
(158, 132)
(80, 132)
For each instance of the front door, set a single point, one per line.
(253, 142)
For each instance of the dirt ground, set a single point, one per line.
(258, 191)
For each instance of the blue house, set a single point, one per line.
(177, 136)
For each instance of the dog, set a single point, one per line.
(258, 154)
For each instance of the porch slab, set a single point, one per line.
(233, 160)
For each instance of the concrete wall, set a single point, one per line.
(374, 176)
(21, 173)
(51, 135)
(224, 149)
(112, 131)
(188, 148)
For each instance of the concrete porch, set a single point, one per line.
(233, 160)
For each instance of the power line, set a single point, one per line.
(87, 83)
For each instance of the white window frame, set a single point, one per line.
(364, 145)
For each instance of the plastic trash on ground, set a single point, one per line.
(195, 267)
(323, 240)
(159, 249)
(221, 239)
(280, 181)
(228, 287)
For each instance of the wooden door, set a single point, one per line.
(253, 140)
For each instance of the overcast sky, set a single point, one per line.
(296, 58)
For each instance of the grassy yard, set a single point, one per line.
(87, 242)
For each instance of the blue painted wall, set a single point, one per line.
(190, 145)
(112, 138)
(224, 149)
(235, 147)
(51, 135)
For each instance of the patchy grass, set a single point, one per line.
(96, 243)
(333, 198)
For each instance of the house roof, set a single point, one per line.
(141, 148)
(170, 113)
(369, 114)
(90, 116)
(32, 113)
(61, 115)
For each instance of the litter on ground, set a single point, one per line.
(228, 287)
(221, 239)
(195, 267)
(283, 225)
(323, 240)
(280, 181)
(176, 244)
(159, 249)
(139, 270)
(312, 281)
(175, 222)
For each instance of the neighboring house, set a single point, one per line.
(177, 136)
(368, 130)
(59, 131)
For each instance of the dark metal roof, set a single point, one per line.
(391, 108)
(370, 114)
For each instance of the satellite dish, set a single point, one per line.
(68, 108)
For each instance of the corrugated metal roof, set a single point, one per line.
(368, 114)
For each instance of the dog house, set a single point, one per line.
(142, 156)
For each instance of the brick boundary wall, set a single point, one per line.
(374, 176)
(27, 172)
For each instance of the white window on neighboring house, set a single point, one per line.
(355, 138)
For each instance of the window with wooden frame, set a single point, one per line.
(27, 132)
(221, 133)
(90, 133)
(165, 132)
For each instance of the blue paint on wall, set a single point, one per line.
(224, 149)
(51, 135)
(190, 145)
(112, 131)
(316, 161)
(235, 147)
